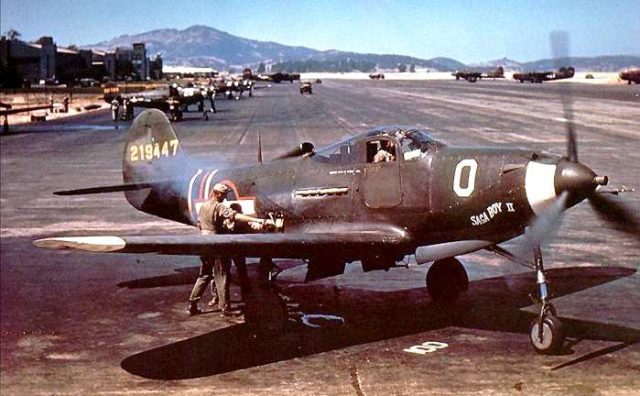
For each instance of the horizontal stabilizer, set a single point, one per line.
(302, 149)
(110, 189)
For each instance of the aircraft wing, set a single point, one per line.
(10, 110)
(280, 245)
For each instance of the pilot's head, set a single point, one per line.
(220, 192)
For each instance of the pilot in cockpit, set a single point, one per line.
(385, 152)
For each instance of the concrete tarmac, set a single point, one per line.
(80, 323)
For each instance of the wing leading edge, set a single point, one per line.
(281, 245)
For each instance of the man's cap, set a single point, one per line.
(221, 188)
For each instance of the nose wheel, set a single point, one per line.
(546, 332)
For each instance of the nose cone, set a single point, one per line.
(576, 179)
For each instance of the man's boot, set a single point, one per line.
(193, 308)
(213, 302)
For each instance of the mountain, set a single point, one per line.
(506, 63)
(204, 46)
(336, 61)
(208, 47)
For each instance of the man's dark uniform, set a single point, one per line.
(235, 227)
(215, 218)
(212, 217)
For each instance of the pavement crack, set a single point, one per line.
(355, 380)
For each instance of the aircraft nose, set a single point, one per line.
(576, 179)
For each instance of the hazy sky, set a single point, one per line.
(469, 31)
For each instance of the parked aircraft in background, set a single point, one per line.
(630, 75)
(473, 76)
(173, 99)
(6, 110)
(538, 77)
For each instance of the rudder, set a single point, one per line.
(153, 155)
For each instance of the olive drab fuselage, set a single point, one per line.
(433, 192)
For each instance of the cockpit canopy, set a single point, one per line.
(408, 143)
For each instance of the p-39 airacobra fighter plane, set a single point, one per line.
(339, 204)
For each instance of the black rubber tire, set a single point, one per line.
(446, 280)
(552, 335)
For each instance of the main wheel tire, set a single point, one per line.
(552, 335)
(446, 279)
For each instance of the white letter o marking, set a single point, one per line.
(471, 182)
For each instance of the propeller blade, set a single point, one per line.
(560, 51)
(614, 213)
(545, 225)
(542, 228)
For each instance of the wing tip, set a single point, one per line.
(90, 244)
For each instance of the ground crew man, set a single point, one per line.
(239, 261)
(115, 109)
(212, 221)
(128, 109)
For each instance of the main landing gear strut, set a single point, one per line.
(545, 332)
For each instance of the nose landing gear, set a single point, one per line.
(546, 332)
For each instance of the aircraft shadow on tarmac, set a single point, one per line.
(490, 304)
(187, 275)
(183, 276)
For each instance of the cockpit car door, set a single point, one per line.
(381, 174)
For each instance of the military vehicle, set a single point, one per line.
(306, 87)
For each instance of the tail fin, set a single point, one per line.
(153, 156)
